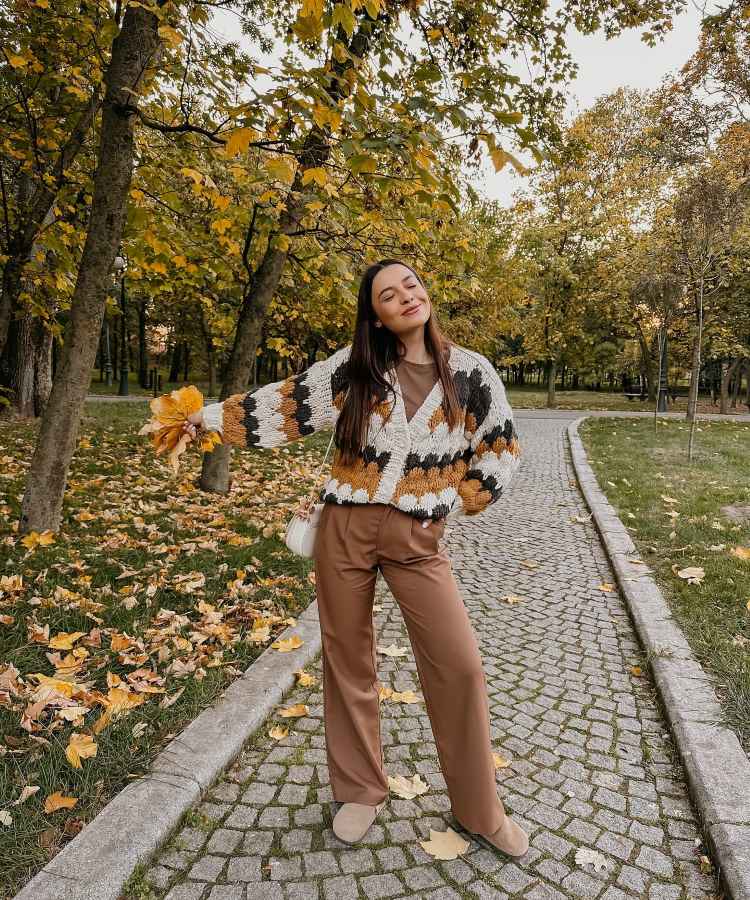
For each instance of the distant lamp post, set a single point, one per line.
(120, 265)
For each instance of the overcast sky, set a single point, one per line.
(603, 66)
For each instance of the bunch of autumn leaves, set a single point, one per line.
(166, 426)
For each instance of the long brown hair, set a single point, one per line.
(376, 350)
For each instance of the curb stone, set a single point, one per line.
(97, 863)
(717, 768)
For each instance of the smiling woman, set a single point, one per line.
(423, 432)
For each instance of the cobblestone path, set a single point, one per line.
(591, 760)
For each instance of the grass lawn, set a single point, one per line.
(536, 398)
(673, 511)
(149, 601)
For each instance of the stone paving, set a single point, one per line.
(591, 761)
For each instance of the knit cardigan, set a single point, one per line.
(419, 466)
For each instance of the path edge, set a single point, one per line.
(717, 768)
(139, 820)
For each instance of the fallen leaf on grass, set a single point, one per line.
(58, 801)
(80, 746)
(36, 539)
(407, 788)
(65, 641)
(284, 645)
(27, 792)
(586, 856)
(6, 818)
(691, 574)
(636, 670)
(299, 709)
(741, 552)
(445, 844)
(166, 702)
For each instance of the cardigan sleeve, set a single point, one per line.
(495, 451)
(283, 411)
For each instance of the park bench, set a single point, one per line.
(631, 396)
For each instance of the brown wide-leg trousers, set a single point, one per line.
(352, 543)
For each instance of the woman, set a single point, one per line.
(424, 433)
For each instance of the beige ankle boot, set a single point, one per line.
(509, 838)
(352, 821)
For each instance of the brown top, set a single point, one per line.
(416, 380)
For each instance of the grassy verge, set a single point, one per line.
(673, 510)
(151, 598)
(532, 397)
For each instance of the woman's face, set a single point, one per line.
(399, 300)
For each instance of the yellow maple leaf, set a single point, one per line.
(170, 412)
(80, 746)
(500, 761)
(284, 645)
(305, 678)
(299, 709)
(65, 641)
(407, 788)
(238, 141)
(741, 552)
(118, 702)
(278, 732)
(58, 801)
(405, 697)
(445, 844)
(36, 539)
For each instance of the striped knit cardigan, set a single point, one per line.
(419, 466)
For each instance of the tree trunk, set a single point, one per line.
(551, 376)
(26, 366)
(185, 361)
(647, 363)
(36, 209)
(135, 54)
(725, 380)
(695, 370)
(142, 347)
(264, 281)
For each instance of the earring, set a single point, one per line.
(378, 324)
